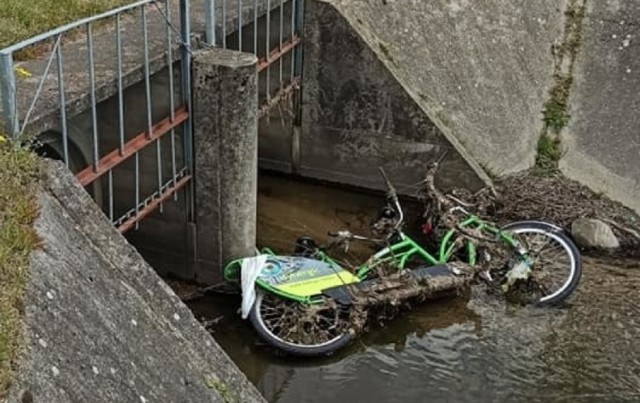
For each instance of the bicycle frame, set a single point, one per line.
(406, 248)
(400, 252)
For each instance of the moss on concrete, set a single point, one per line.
(549, 152)
(222, 388)
(555, 114)
(19, 173)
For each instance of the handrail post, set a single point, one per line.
(185, 31)
(210, 22)
(8, 94)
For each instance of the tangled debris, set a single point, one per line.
(393, 293)
(379, 301)
(561, 201)
(555, 199)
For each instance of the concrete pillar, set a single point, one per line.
(225, 124)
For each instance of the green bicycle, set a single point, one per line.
(303, 301)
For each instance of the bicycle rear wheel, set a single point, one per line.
(557, 265)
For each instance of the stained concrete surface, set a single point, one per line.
(225, 111)
(602, 139)
(479, 71)
(101, 325)
(357, 116)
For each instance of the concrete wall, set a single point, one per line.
(483, 72)
(480, 71)
(357, 116)
(603, 135)
(102, 326)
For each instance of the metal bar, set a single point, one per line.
(239, 25)
(149, 199)
(224, 24)
(63, 107)
(173, 158)
(278, 97)
(111, 195)
(277, 53)
(185, 26)
(8, 91)
(170, 63)
(299, 63)
(137, 184)
(268, 46)
(159, 165)
(280, 40)
(68, 27)
(92, 86)
(293, 35)
(45, 74)
(255, 27)
(147, 74)
(209, 21)
(120, 87)
(147, 85)
(172, 88)
(140, 214)
(115, 158)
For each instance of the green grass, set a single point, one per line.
(555, 109)
(549, 153)
(22, 19)
(19, 174)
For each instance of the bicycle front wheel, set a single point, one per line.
(557, 265)
(299, 329)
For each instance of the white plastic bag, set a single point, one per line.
(250, 270)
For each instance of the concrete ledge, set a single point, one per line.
(101, 325)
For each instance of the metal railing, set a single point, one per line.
(280, 39)
(271, 29)
(103, 164)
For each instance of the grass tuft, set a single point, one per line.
(20, 171)
(556, 116)
(549, 153)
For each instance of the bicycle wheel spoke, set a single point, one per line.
(300, 324)
(552, 262)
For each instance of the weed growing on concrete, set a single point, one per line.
(19, 173)
(222, 388)
(549, 153)
(555, 113)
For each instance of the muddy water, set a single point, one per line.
(468, 349)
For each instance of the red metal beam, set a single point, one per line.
(149, 208)
(114, 158)
(278, 52)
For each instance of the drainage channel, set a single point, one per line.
(470, 348)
